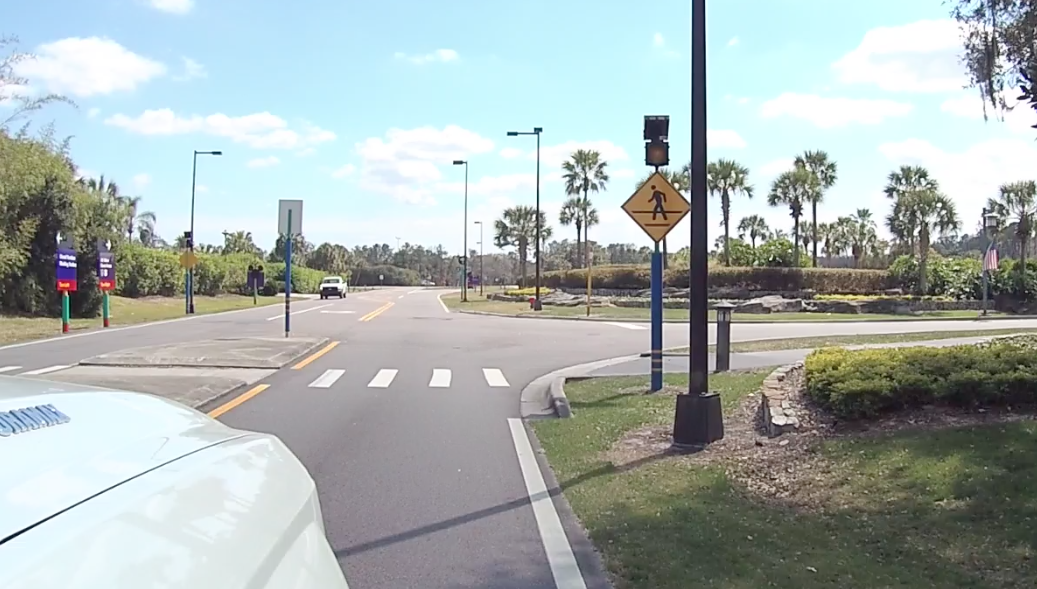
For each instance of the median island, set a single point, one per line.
(908, 467)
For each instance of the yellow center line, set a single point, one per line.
(238, 400)
(314, 356)
(377, 312)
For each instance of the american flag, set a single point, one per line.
(990, 260)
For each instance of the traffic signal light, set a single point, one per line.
(189, 239)
(656, 134)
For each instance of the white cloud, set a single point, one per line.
(437, 56)
(88, 67)
(192, 70)
(406, 163)
(659, 42)
(734, 41)
(172, 6)
(918, 57)
(829, 113)
(552, 156)
(346, 170)
(775, 167)
(1019, 119)
(307, 152)
(260, 130)
(724, 138)
(510, 153)
(264, 162)
(970, 176)
(93, 112)
(492, 186)
(140, 181)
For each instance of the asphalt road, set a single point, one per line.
(405, 426)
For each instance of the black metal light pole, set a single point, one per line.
(190, 247)
(536, 131)
(464, 258)
(482, 277)
(697, 418)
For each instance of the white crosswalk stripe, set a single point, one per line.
(9, 368)
(634, 326)
(495, 377)
(327, 379)
(440, 378)
(46, 370)
(383, 379)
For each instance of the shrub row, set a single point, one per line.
(865, 383)
(142, 272)
(822, 280)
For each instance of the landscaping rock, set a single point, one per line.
(770, 304)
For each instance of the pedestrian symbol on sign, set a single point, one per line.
(659, 201)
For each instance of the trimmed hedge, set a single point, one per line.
(142, 272)
(856, 384)
(822, 280)
(527, 292)
(391, 276)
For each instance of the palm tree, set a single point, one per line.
(1017, 203)
(755, 227)
(824, 170)
(861, 234)
(727, 178)
(792, 189)
(110, 188)
(136, 220)
(584, 172)
(570, 215)
(903, 181)
(929, 212)
(517, 228)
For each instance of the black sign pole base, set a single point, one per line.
(698, 420)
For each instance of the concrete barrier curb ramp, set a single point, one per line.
(559, 401)
(537, 400)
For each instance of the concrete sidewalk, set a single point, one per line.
(745, 360)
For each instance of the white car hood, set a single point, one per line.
(61, 444)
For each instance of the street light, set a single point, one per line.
(482, 277)
(190, 244)
(536, 131)
(464, 263)
(990, 222)
(698, 419)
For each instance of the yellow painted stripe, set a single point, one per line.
(314, 356)
(259, 388)
(377, 312)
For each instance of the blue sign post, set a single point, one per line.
(657, 319)
(657, 207)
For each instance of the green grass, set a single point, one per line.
(475, 303)
(809, 343)
(124, 311)
(947, 509)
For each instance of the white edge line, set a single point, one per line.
(439, 298)
(9, 368)
(300, 312)
(46, 370)
(559, 552)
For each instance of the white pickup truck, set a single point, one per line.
(333, 286)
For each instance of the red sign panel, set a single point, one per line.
(106, 284)
(67, 285)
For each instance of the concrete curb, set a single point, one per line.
(558, 399)
(761, 321)
(537, 400)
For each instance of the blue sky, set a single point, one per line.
(358, 108)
